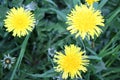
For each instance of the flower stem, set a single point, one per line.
(82, 43)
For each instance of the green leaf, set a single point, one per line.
(91, 51)
(111, 71)
(49, 73)
(23, 47)
(17, 3)
(50, 1)
(60, 15)
(76, 2)
(100, 66)
(94, 57)
(102, 3)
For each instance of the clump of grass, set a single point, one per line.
(34, 53)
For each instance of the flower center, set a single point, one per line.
(7, 61)
(71, 62)
(20, 22)
(86, 22)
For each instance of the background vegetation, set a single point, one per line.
(50, 35)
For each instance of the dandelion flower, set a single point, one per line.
(84, 21)
(90, 2)
(20, 21)
(72, 62)
(8, 61)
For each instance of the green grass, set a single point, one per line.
(34, 53)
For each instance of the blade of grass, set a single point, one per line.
(103, 51)
(49, 73)
(80, 39)
(51, 2)
(103, 2)
(110, 18)
(112, 70)
(91, 51)
(112, 58)
(23, 47)
(112, 15)
(13, 50)
(59, 13)
(76, 2)
(94, 57)
(114, 50)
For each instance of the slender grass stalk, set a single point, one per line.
(115, 38)
(109, 19)
(82, 43)
(22, 51)
(112, 70)
(103, 2)
(11, 51)
(111, 16)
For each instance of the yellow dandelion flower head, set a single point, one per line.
(72, 62)
(19, 21)
(90, 2)
(84, 21)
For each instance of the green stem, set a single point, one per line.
(82, 43)
(22, 51)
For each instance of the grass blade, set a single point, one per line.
(23, 47)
